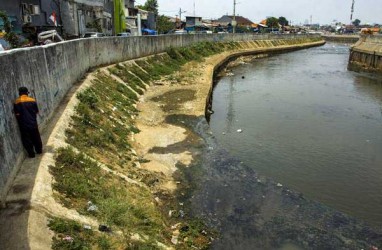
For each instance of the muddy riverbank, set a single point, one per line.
(247, 211)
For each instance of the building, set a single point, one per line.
(29, 17)
(193, 21)
(81, 16)
(131, 14)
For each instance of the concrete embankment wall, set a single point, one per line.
(366, 55)
(50, 71)
(342, 38)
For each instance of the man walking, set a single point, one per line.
(26, 111)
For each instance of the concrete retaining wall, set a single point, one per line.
(366, 55)
(342, 38)
(50, 71)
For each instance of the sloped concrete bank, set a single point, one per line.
(50, 71)
(341, 38)
(366, 55)
(32, 200)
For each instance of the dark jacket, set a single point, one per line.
(26, 111)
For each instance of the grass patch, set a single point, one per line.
(122, 206)
(72, 235)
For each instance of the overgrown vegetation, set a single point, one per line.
(99, 138)
(123, 207)
(10, 36)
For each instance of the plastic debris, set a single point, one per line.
(181, 213)
(92, 207)
(174, 240)
(170, 213)
(68, 238)
(279, 185)
(239, 130)
(87, 227)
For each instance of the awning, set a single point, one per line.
(149, 32)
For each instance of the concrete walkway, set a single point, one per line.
(30, 201)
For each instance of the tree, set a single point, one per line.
(357, 22)
(10, 36)
(164, 25)
(150, 5)
(283, 21)
(272, 22)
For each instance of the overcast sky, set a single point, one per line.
(299, 11)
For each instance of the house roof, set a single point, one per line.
(239, 19)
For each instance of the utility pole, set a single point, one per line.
(352, 11)
(180, 14)
(234, 17)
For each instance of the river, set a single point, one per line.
(308, 124)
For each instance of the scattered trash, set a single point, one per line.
(230, 74)
(68, 238)
(92, 207)
(178, 182)
(204, 232)
(279, 185)
(114, 109)
(185, 228)
(181, 203)
(239, 130)
(87, 227)
(157, 199)
(223, 133)
(170, 213)
(174, 240)
(104, 228)
(181, 213)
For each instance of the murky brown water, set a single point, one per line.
(309, 124)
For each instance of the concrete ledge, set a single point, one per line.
(366, 55)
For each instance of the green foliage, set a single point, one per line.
(272, 22)
(10, 36)
(88, 97)
(283, 21)
(164, 25)
(356, 22)
(94, 25)
(150, 5)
